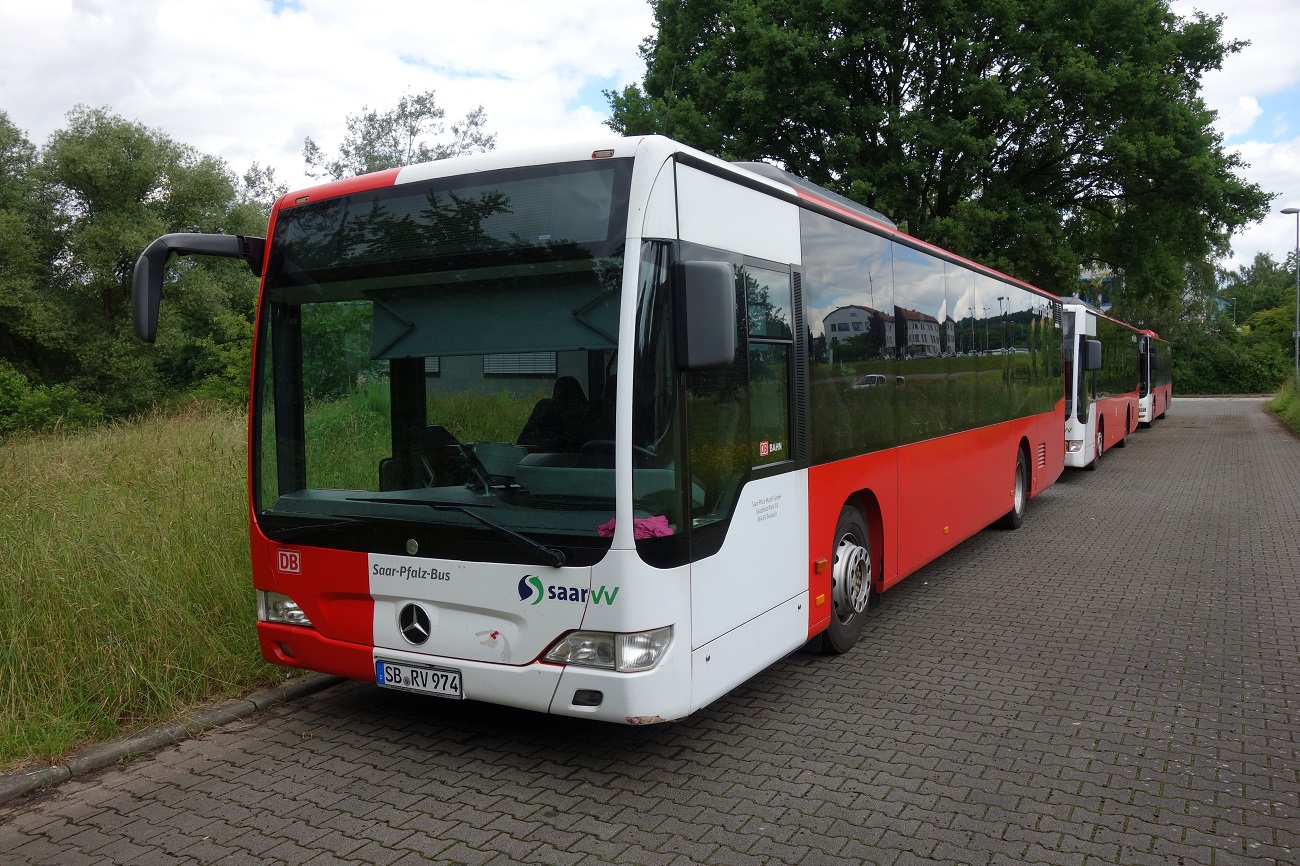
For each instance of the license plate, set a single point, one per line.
(443, 682)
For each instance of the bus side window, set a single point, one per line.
(768, 315)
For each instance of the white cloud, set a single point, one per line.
(1256, 95)
(237, 80)
(1275, 166)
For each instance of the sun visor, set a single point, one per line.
(458, 322)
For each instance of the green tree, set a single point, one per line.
(1038, 137)
(259, 188)
(1261, 285)
(33, 325)
(115, 186)
(377, 140)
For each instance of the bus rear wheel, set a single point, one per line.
(851, 586)
(1019, 495)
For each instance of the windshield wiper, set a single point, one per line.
(549, 555)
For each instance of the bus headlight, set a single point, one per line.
(278, 607)
(1074, 446)
(626, 653)
(642, 650)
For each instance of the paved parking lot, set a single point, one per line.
(1115, 683)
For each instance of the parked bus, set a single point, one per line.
(1156, 377)
(569, 429)
(1102, 383)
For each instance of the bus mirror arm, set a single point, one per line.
(1092, 354)
(704, 301)
(146, 284)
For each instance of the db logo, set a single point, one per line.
(763, 449)
(287, 561)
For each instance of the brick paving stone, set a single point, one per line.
(1115, 682)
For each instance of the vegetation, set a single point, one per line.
(377, 140)
(125, 592)
(351, 462)
(1040, 138)
(1222, 350)
(73, 218)
(76, 213)
(1287, 404)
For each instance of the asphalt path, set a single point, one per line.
(1117, 682)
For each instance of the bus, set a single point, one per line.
(579, 429)
(1156, 377)
(1102, 379)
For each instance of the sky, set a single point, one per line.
(249, 80)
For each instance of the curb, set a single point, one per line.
(79, 763)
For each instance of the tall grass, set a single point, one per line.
(125, 593)
(347, 437)
(1287, 405)
(125, 590)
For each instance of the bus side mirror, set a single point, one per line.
(1092, 354)
(704, 298)
(146, 282)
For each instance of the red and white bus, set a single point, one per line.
(603, 430)
(1102, 383)
(1156, 375)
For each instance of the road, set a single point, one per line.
(1117, 682)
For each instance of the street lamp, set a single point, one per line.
(1002, 323)
(1234, 313)
(1295, 335)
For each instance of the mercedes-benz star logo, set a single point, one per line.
(414, 624)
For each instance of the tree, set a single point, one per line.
(114, 186)
(1261, 285)
(33, 324)
(1040, 138)
(378, 140)
(258, 187)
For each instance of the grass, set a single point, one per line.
(1286, 405)
(125, 592)
(347, 437)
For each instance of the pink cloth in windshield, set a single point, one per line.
(642, 527)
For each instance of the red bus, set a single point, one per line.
(1156, 377)
(1102, 383)
(603, 430)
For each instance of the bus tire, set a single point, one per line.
(1098, 447)
(1019, 495)
(851, 585)
(1128, 425)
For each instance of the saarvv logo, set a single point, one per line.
(532, 590)
(529, 585)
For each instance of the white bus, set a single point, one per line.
(1157, 377)
(1102, 383)
(565, 429)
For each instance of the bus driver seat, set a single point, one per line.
(556, 421)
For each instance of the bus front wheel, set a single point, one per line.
(851, 587)
(1098, 447)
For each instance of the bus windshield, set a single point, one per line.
(439, 354)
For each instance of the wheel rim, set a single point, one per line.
(851, 579)
(1098, 444)
(1020, 488)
